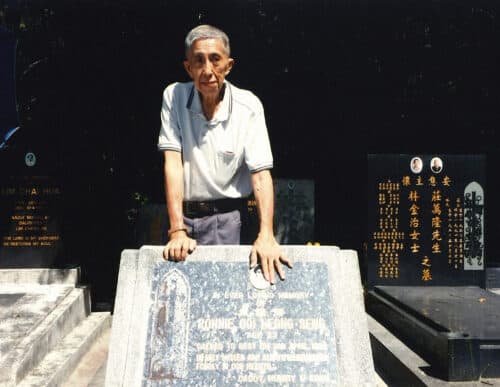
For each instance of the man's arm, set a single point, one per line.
(265, 246)
(179, 244)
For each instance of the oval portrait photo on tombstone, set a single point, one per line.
(416, 165)
(436, 165)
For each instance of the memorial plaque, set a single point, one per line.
(426, 220)
(30, 213)
(213, 321)
(239, 334)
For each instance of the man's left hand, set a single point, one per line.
(271, 257)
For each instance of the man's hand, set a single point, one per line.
(179, 246)
(269, 251)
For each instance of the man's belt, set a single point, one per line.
(196, 209)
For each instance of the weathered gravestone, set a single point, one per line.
(212, 321)
(426, 253)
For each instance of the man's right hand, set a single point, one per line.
(179, 246)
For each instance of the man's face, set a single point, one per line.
(208, 64)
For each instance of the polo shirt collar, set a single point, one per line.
(222, 114)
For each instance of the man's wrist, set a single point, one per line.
(266, 232)
(176, 230)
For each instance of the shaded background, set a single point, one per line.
(338, 80)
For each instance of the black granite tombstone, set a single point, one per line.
(30, 210)
(426, 261)
(30, 197)
(294, 211)
(426, 220)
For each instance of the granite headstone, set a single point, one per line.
(212, 321)
(426, 256)
(425, 224)
(30, 210)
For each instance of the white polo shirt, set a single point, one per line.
(218, 155)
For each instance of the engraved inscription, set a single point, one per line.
(29, 207)
(238, 334)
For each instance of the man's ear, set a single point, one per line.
(187, 67)
(230, 64)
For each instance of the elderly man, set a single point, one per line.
(217, 151)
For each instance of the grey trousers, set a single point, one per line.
(217, 229)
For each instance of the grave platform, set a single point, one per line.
(455, 329)
(46, 326)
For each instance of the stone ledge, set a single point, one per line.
(41, 276)
(398, 365)
(57, 365)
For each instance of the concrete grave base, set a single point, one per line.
(46, 326)
(157, 340)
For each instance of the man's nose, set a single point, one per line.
(207, 67)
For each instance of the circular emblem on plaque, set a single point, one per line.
(257, 278)
(30, 159)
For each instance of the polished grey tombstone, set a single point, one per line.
(212, 321)
(294, 211)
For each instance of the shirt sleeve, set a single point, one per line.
(258, 154)
(170, 134)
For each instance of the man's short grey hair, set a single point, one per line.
(206, 31)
